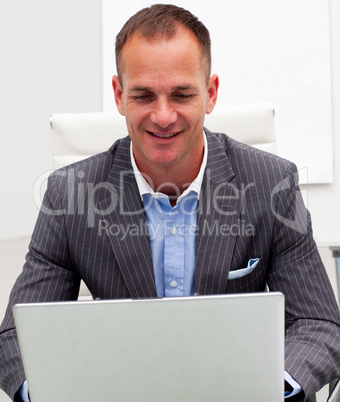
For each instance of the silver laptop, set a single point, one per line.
(205, 348)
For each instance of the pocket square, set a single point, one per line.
(238, 273)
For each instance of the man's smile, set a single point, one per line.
(158, 135)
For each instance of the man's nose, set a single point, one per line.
(163, 113)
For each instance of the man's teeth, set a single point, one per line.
(163, 136)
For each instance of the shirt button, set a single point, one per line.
(173, 230)
(173, 284)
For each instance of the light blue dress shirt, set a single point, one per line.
(172, 234)
(23, 392)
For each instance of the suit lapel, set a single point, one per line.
(218, 216)
(128, 236)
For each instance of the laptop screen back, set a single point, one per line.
(205, 348)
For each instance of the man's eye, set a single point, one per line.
(142, 98)
(183, 96)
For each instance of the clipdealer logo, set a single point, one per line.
(81, 199)
(296, 215)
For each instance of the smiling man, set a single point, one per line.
(162, 204)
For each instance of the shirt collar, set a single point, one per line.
(145, 188)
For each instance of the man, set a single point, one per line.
(173, 188)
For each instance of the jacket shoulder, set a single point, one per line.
(248, 160)
(96, 168)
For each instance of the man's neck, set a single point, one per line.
(172, 180)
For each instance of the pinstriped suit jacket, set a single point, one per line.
(92, 226)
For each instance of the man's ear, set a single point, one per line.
(213, 85)
(118, 91)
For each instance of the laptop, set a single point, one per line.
(201, 348)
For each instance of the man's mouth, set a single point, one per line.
(162, 135)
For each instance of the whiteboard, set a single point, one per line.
(263, 51)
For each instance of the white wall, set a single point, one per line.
(324, 200)
(50, 62)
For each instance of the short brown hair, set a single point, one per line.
(162, 20)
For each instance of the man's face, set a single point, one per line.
(164, 96)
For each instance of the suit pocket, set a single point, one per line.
(253, 278)
(239, 273)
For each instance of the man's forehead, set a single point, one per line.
(162, 57)
(142, 88)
